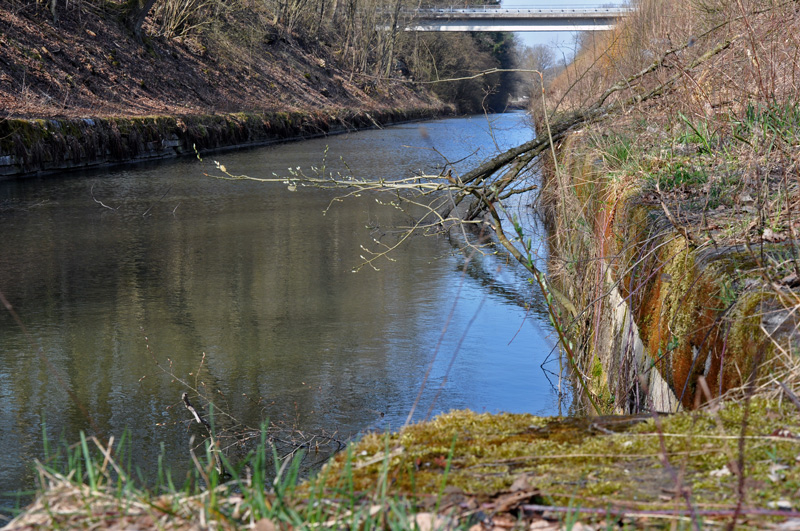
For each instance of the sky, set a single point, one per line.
(563, 41)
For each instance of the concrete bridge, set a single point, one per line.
(494, 18)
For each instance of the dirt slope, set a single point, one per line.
(87, 64)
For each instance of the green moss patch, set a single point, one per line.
(635, 463)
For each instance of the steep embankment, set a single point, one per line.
(72, 92)
(87, 64)
(675, 218)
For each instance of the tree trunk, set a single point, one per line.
(392, 39)
(135, 11)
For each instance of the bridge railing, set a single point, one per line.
(524, 10)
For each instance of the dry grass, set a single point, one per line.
(108, 499)
(761, 64)
(65, 504)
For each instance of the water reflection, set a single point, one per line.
(128, 280)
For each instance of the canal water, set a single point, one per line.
(136, 285)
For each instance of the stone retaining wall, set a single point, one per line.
(662, 323)
(30, 147)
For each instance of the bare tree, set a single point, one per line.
(134, 13)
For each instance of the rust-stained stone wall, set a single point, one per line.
(659, 313)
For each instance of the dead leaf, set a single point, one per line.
(521, 483)
(504, 521)
(265, 524)
(379, 457)
(543, 525)
(770, 235)
(776, 473)
(722, 472)
(431, 522)
(508, 501)
(782, 432)
(791, 280)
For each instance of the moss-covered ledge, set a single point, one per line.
(735, 463)
(50, 145)
(626, 465)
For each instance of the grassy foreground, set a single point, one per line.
(731, 464)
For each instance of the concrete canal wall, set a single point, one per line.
(664, 320)
(30, 147)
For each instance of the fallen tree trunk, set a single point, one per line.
(546, 139)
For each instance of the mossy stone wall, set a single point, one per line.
(45, 146)
(656, 312)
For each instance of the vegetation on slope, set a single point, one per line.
(205, 56)
(684, 197)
